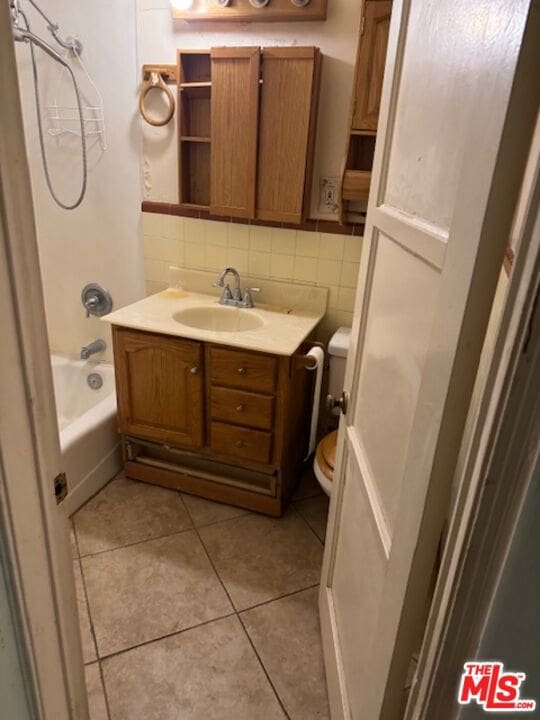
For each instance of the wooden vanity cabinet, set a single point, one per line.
(224, 423)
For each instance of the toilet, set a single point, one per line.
(325, 455)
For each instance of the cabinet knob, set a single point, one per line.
(240, 408)
(194, 370)
(239, 443)
(241, 371)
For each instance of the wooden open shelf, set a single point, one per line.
(192, 138)
(365, 102)
(193, 67)
(205, 84)
(194, 92)
(195, 174)
(363, 132)
(356, 184)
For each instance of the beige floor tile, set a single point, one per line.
(205, 512)
(96, 696)
(151, 589)
(207, 673)
(89, 649)
(308, 486)
(126, 511)
(260, 558)
(287, 637)
(315, 512)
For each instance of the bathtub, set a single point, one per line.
(87, 424)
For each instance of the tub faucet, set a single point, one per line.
(94, 347)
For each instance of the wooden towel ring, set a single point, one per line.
(156, 81)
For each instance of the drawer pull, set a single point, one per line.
(240, 408)
(239, 443)
(241, 371)
(194, 370)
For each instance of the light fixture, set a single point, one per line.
(182, 5)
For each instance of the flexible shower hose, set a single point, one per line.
(82, 192)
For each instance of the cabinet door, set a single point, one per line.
(234, 120)
(287, 131)
(370, 64)
(159, 384)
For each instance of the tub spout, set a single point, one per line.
(92, 348)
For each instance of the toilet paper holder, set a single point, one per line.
(307, 361)
(313, 361)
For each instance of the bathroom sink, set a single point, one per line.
(219, 319)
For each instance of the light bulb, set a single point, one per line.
(182, 5)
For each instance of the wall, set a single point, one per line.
(282, 254)
(102, 240)
(307, 257)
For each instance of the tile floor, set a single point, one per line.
(192, 610)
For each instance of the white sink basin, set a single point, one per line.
(219, 319)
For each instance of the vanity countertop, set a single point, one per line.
(280, 332)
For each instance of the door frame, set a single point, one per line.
(35, 530)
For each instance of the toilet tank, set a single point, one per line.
(338, 347)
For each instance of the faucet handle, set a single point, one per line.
(225, 295)
(247, 300)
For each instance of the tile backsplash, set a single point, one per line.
(310, 258)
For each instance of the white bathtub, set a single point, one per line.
(87, 423)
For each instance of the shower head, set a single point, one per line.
(22, 35)
(69, 43)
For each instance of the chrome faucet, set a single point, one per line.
(92, 348)
(234, 297)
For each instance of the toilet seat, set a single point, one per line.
(325, 461)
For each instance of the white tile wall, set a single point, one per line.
(310, 258)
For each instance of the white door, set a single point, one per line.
(451, 147)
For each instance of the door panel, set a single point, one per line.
(160, 387)
(439, 215)
(402, 306)
(357, 593)
(234, 121)
(426, 157)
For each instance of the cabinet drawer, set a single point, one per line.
(240, 442)
(242, 408)
(244, 370)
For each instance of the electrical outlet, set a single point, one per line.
(328, 197)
